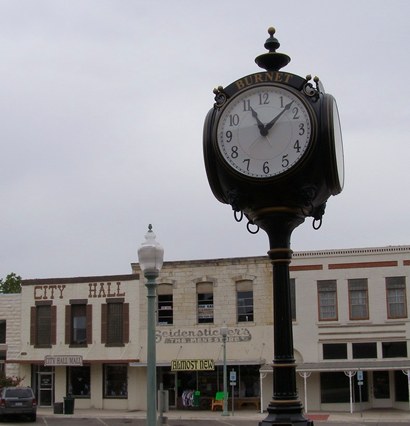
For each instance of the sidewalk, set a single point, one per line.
(370, 416)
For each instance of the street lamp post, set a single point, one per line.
(224, 334)
(150, 257)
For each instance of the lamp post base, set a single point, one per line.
(285, 414)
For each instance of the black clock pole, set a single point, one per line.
(276, 196)
(285, 407)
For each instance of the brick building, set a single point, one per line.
(87, 336)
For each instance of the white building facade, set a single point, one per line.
(87, 336)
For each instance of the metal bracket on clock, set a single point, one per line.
(220, 96)
(312, 91)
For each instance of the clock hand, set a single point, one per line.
(261, 126)
(273, 121)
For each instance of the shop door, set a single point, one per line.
(381, 389)
(45, 389)
(169, 381)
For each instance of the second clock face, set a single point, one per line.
(264, 131)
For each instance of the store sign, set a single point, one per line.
(192, 365)
(207, 335)
(62, 360)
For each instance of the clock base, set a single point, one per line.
(285, 414)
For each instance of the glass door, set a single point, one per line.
(169, 381)
(381, 389)
(45, 389)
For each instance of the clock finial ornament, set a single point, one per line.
(272, 61)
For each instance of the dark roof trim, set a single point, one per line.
(75, 280)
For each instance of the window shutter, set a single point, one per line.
(89, 314)
(53, 324)
(126, 322)
(104, 323)
(68, 324)
(33, 330)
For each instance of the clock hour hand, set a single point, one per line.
(261, 126)
(273, 121)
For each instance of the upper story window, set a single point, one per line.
(327, 297)
(78, 323)
(244, 301)
(43, 324)
(396, 297)
(165, 304)
(358, 299)
(205, 303)
(115, 322)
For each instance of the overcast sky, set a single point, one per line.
(102, 104)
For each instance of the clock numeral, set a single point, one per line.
(234, 153)
(246, 104)
(247, 161)
(228, 135)
(297, 146)
(301, 129)
(263, 98)
(295, 111)
(265, 167)
(285, 161)
(233, 120)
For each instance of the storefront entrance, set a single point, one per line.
(381, 390)
(169, 382)
(45, 389)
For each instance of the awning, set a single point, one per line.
(347, 366)
(85, 361)
(217, 362)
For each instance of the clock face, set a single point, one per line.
(264, 131)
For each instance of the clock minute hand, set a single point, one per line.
(272, 122)
(261, 126)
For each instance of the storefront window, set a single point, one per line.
(394, 349)
(115, 381)
(334, 387)
(334, 350)
(364, 350)
(2, 331)
(210, 382)
(78, 381)
(401, 386)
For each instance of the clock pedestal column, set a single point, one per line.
(285, 407)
